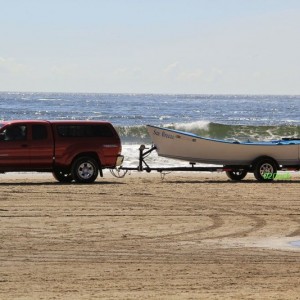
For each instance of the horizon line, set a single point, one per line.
(149, 93)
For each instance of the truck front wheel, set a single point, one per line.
(85, 170)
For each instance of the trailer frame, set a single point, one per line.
(144, 166)
(234, 172)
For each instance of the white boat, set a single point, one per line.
(259, 157)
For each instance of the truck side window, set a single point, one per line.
(15, 133)
(102, 131)
(39, 132)
(84, 131)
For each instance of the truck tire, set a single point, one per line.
(62, 176)
(85, 169)
(265, 169)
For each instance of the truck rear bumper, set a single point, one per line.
(120, 160)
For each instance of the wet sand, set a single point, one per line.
(195, 236)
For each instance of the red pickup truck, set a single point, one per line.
(71, 150)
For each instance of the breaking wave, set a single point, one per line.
(138, 134)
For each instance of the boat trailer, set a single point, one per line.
(234, 172)
(144, 166)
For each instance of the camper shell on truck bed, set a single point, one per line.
(71, 150)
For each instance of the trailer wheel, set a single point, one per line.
(236, 175)
(85, 170)
(62, 176)
(265, 169)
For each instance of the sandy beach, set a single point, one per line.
(189, 236)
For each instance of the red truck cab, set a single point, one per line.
(71, 150)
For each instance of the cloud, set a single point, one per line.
(121, 71)
(191, 75)
(206, 76)
(171, 67)
(11, 66)
(126, 72)
(64, 70)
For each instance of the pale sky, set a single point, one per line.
(150, 46)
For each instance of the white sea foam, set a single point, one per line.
(204, 125)
(131, 154)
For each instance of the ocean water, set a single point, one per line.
(240, 117)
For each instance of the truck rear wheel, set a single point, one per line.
(62, 176)
(85, 170)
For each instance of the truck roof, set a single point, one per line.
(78, 121)
(54, 122)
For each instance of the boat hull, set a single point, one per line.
(189, 147)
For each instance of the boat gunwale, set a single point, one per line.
(263, 143)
